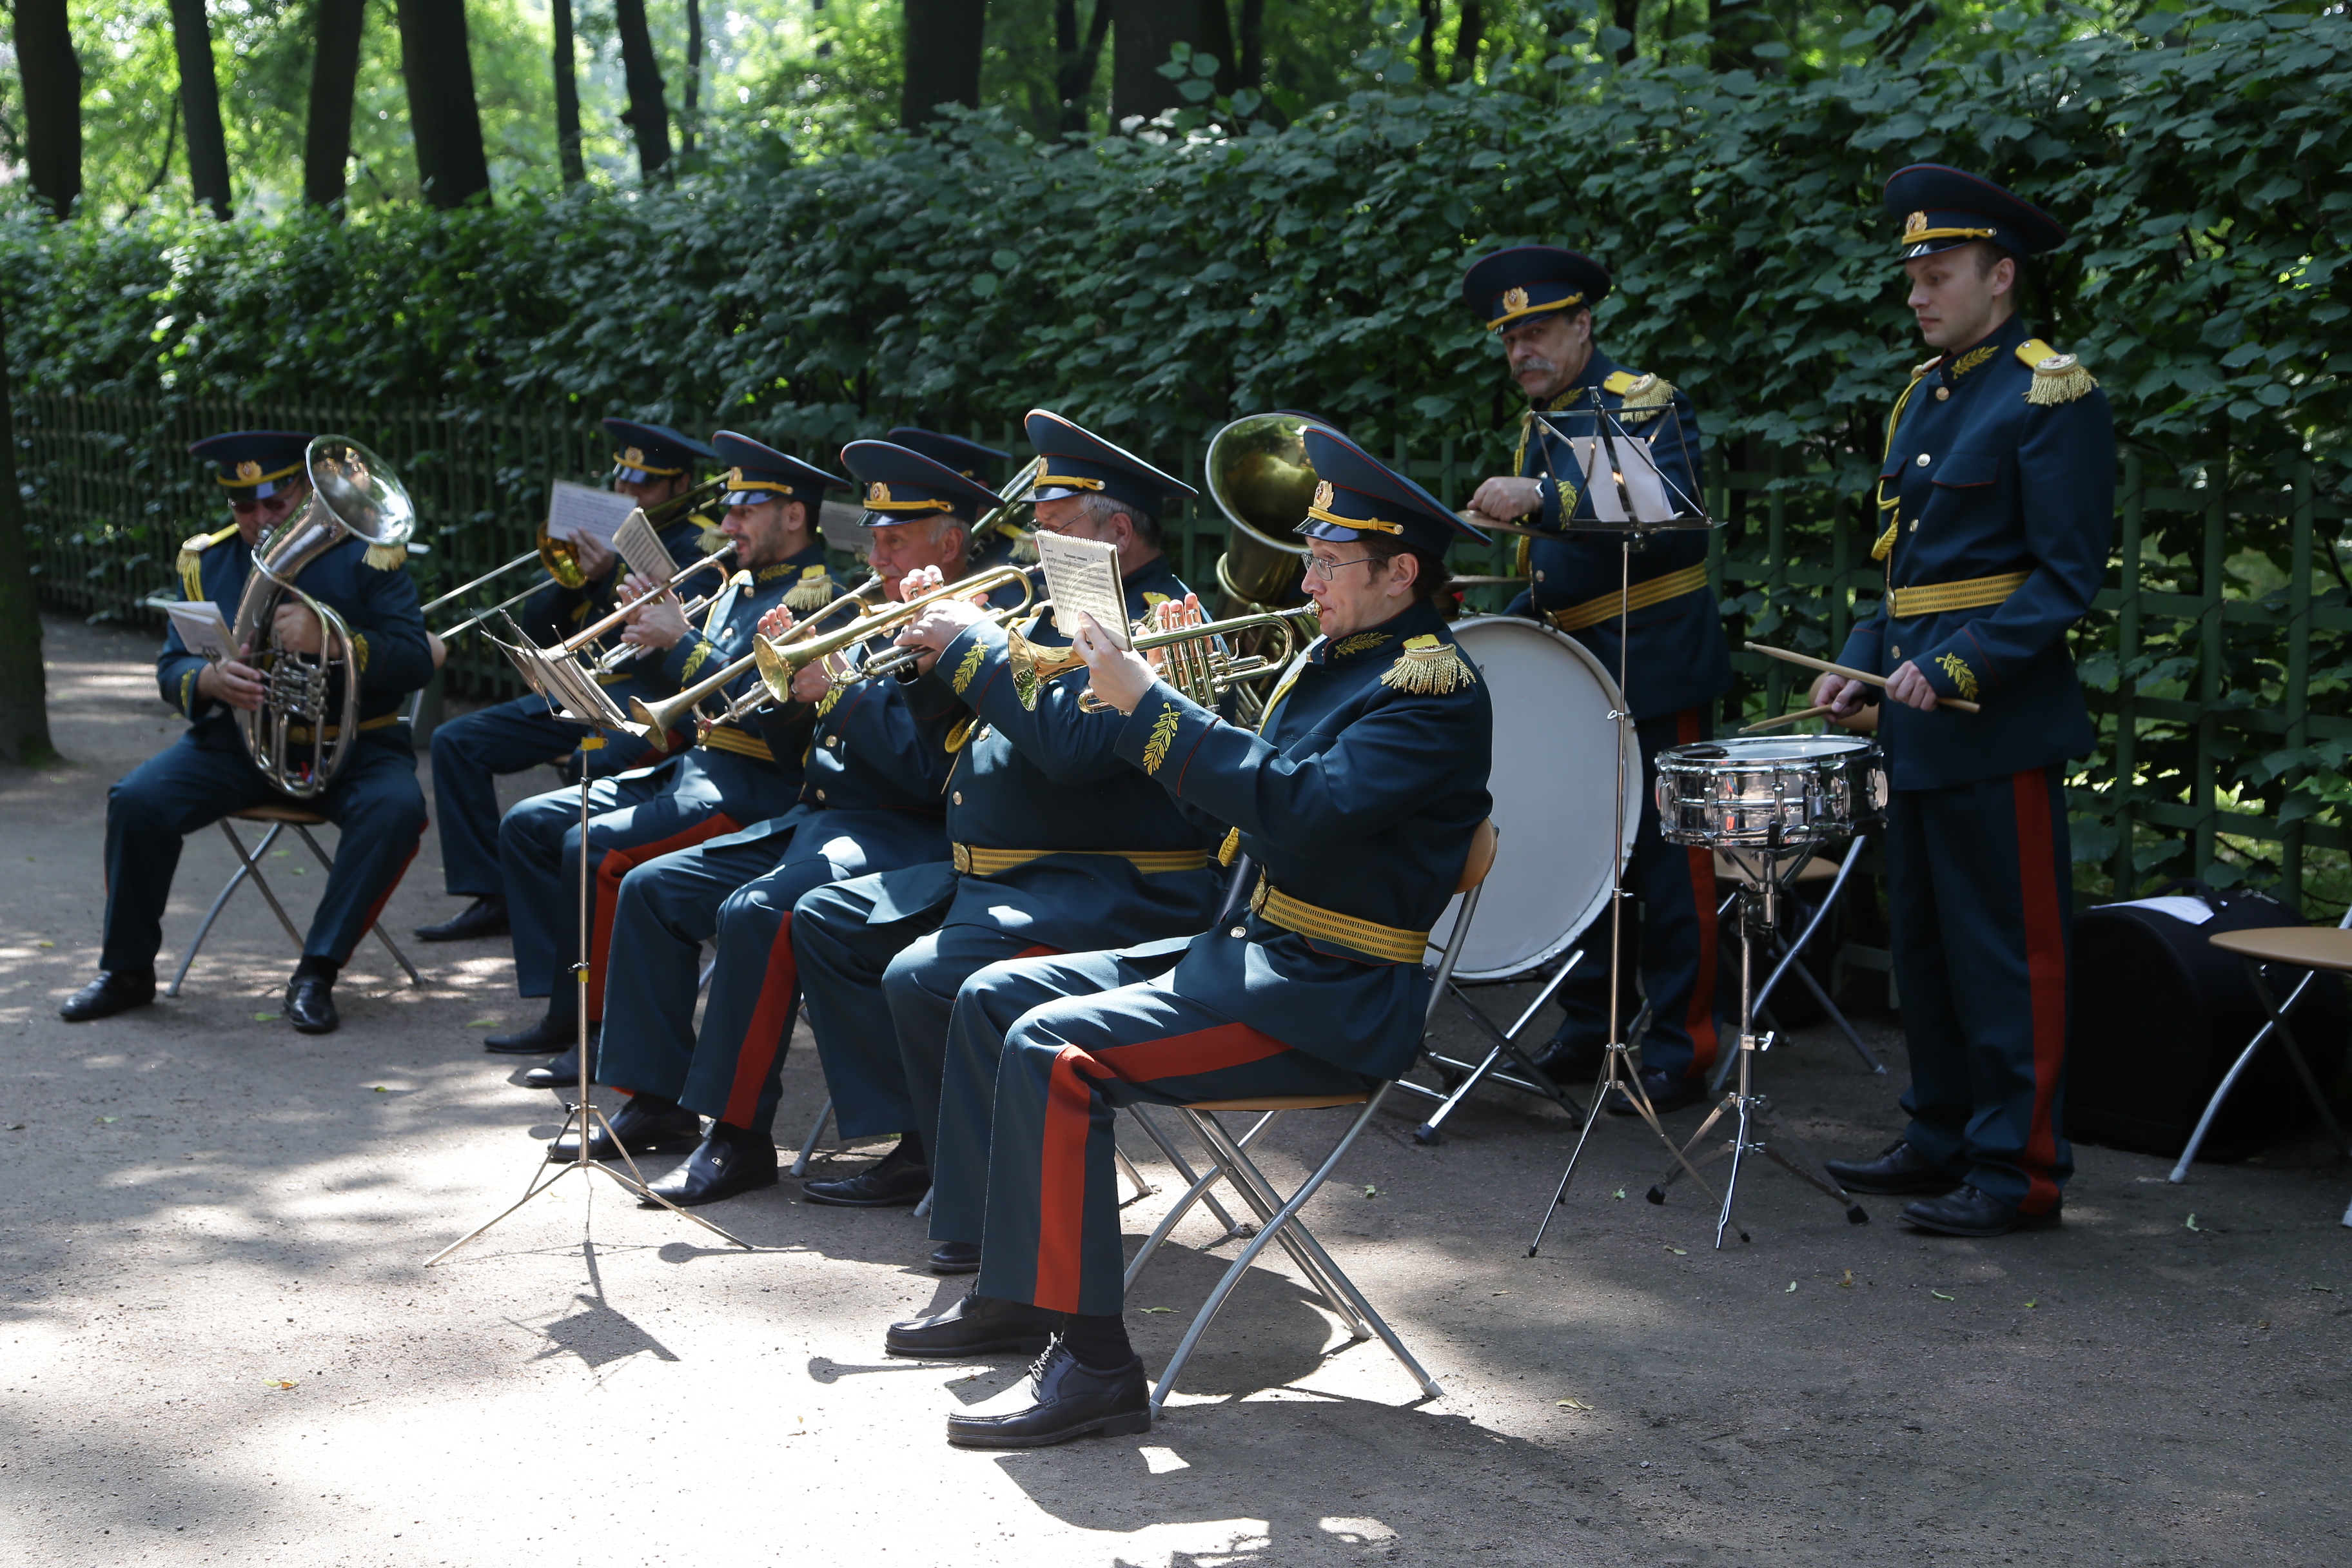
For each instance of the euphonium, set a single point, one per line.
(310, 715)
(1260, 478)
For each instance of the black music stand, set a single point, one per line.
(1632, 498)
(575, 696)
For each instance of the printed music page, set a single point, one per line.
(574, 509)
(636, 544)
(202, 628)
(1083, 575)
(1629, 474)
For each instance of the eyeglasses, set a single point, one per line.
(1327, 570)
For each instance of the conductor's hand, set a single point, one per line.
(1506, 500)
(657, 619)
(1119, 677)
(239, 685)
(1840, 694)
(1910, 688)
(297, 630)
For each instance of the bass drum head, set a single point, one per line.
(1554, 779)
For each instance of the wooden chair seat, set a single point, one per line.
(281, 811)
(2305, 947)
(1483, 845)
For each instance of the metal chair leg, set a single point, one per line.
(246, 867)
(1198, 1190)
(382, 935)
(1265, 1201)
(1175, 1157)
(808, 1145)
(2179, 1177)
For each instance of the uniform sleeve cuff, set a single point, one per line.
(1951, 673)
(1163, 732)
(970, 663)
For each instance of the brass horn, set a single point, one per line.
(1260, 478)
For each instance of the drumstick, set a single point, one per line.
(1826, 668)
(1798, 716)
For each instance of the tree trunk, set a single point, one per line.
(648, 115)
(24, 693)
(1252, 45)
(942, 58)
(694, 74)
(1077, 59)
(52, 78)
(1626, 12)
(1432, 13)
(443, 118)
(1217, 39)
(334, 80)
(191, 38)
(1467, 40)
(1143, 33)
(567, 96)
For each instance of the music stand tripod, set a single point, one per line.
(1630, 496)
(1762, 881)
(562, 683)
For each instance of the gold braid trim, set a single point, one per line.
(1973, 358)
(1954, 665)
(2057, 378)
(1648, 397)
(188, 692)
(360, 651)
(694, 662)
(1885, 547)
(1163, 733)
(387, 557)
(1429, 665)
(1230, 847)
(814, 591)
(1358, 643)
(191, 562)
(969, 667)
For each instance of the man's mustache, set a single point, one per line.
(1534, 361)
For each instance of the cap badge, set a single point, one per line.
(734, 479)
(1917, 223)
(877, 494)
(1324, 495)
(248, 472)
(633, 457)
(1515, 299)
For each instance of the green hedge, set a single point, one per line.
(1156, 286)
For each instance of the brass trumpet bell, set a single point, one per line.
(1260, 478)
(562, 559)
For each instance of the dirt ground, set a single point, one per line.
(202, 1207)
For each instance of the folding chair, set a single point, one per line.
(1278, 1220)
(1785, 950)
(279, 817)
(2300, 947)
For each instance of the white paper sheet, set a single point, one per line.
(1628, 462)
(574, 509)
(2179, 906)
(202, 628)
(636, 544)
(1082, 574)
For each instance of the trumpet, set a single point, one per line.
(1199, 661)
(561, 557)
(778, 659)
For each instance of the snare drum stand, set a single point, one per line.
(1753, 1130)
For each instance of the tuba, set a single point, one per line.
(1260, 478)
(310, 712)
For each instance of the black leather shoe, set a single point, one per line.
(646, 1123)
(728, 1161)
(1061, 1398)
(1566, 1062)
(545, 1037)
(564, 1073)
(894, 1182)
(108, 994)
(483, 917)
(977, 1325)
(311, 1004)
(1967, 1212)
(1898, 1169)
(956, 1258)
(1666, 1093)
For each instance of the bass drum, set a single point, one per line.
(1554, 779)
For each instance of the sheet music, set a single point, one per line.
(578, 695)
(636, 544)
(202, 630)
(1082, 574)
(1627, 473)
(574, 509)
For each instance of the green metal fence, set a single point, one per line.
(2218, 656)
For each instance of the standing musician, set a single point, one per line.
(1359, 799)
(1996, 495)
(653, 464)
(209, 773)
(1056, 845)
(869, 802)
(1540, 299)
(737, 773)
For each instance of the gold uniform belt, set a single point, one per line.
(975, 860)
(1395, 944)
(1975, 593)
(1640, 596)
(742, 742)
(302, 734)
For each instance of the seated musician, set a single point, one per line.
(736, 774)
(1055, 844)
(653, 464)
(1358, 800)
(869, 802)
(208, 773)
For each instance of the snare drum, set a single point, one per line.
(1733, 794)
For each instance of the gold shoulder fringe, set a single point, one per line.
(1645, 399)
(1428, 664)
(387, 557)
(811, 593)
(191, 562)
(2061, 378)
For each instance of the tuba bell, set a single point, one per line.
(1260, 478)
(300, 735)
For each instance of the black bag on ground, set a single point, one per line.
(2158, 1014)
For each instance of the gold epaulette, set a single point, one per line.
(814, 591)
(387, 557)
(1429, 664)
(713, 539)
(2057, 378)
(191, 562)
(1644, 395)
